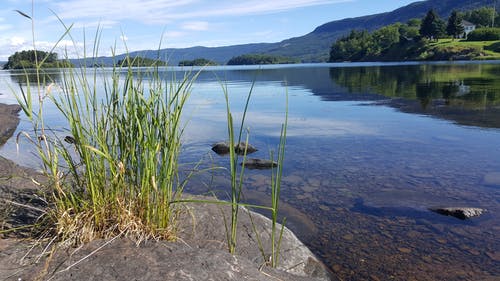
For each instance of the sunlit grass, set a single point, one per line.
(488, 48)
(120, 172)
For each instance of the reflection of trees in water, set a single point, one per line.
(395, 81)
(472, 86)
(23, 77)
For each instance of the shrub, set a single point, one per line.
(484, 34)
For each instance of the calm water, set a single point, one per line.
(370, 148)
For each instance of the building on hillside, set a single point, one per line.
(468, 28)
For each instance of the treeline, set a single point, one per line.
(197, 62)
(254, 59)
(30, 59)
(363, 45)
(140, 62)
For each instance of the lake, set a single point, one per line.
(370, 148)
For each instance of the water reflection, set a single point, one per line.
(468, 94)
(358, 178)
(22, 78)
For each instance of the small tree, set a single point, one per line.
(455, 27)
(352, 47)
(386, 36)
(482, 17)
(432, 26)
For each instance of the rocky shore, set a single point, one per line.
(200, 252)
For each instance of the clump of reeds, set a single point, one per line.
(117, 171)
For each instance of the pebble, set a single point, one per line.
(300, 196)
(441, 241)
(324, 207)
(494, 255)
(474, 252)
(404, 250)
(336, 268)
(309, 188)
(348, 237)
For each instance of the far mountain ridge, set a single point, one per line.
(314, 46)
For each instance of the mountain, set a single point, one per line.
(315, 46)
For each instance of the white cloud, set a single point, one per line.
(102, 24)
(237, 8)
(148, 11)
(17, 41)
(173, 34)
(195, 25)
(124, 38)
(4, 27)
(64, 47)
(165, 11)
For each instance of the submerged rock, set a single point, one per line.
(240, 148)
(69, 139)
(261, 164)
(222, 148)
(459, 212)
(492, 179)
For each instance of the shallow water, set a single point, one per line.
(370, 148)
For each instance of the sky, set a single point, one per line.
(133, 25)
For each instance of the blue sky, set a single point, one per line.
(142, 24)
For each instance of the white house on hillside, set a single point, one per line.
(468, 27)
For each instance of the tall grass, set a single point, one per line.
(119, 174)
(237, 181)
(128, 146)
(275, 193)
(236, 178)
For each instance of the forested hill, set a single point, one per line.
(315, 46)
(403, 14)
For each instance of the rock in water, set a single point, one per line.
(261, 164)
(459, 212)
(222, 148)
(69, 139)
(240, 148)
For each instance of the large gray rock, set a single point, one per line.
(121, 259)
(459, 212)
(205, 229)
(199, 254)
(8, 121)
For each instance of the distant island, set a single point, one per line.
(140, 62)
(32, 58)
(197, 62)
(255, 59)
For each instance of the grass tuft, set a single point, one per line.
(117, 171)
